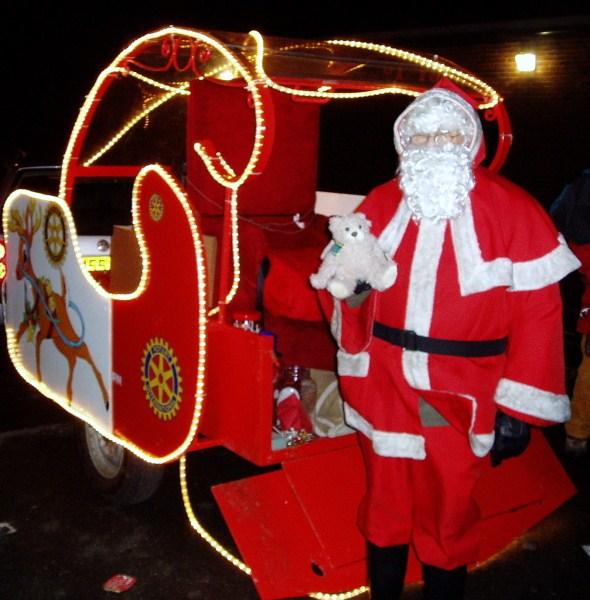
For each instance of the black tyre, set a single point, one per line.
(117, 474)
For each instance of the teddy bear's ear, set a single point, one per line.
(365, 220)
(333, 222)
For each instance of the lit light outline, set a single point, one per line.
(196, 525)
(430, 64)
(180, 90)
(131, 123)
(114, 69)
(13, 346)
(227, 179)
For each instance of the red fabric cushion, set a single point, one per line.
(222, 116)
(287, 291)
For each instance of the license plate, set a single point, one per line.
(97, 263)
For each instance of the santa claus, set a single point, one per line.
(472, 326)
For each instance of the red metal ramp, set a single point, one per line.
(296, 528)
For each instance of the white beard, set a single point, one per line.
(436, 182)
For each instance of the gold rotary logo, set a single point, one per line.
(162, 383)
(156, 207)
(55, 235)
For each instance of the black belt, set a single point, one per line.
(412, 341)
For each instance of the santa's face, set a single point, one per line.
(436, 174)
(437, 138)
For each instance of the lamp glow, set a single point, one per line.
(526, 62)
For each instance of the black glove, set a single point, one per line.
(512, 437)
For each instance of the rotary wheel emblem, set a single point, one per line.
(161, 379)
(156, 207)
(55, 235)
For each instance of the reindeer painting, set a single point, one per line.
(46, 315)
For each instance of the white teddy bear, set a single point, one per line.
(353, 256)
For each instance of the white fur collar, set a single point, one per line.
(475, 273)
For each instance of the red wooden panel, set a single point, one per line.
(329, 488)
(238, 409)
(156, 336)
(276, 539)
(223, 116)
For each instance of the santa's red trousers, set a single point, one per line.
(428, 503)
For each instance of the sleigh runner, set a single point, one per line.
(219, 138)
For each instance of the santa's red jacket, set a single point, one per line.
(488, 274)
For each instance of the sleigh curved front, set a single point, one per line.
(131, 364)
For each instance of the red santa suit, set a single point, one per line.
(487, 276)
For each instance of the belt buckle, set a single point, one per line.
(410, 340)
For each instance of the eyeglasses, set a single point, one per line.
(440, 138)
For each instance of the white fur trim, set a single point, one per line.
(533, 401)
(422, 286)
(552, 267)
(385, 443)
(475, 274)
(336, 322)
(391, 236)
(353, 365)
(481, 443)
(415, 369)
(421, 294)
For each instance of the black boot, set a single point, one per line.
(387, 571)
(440, 584)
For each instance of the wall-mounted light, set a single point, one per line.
(526, 62)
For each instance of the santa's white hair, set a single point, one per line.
(436, 180)
(438, 110)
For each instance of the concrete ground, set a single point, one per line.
(60, 541)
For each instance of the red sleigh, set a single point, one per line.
(220, 137)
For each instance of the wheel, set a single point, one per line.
(117, 474)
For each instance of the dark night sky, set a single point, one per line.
(51, 55)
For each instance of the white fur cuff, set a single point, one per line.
(481, 443)
(533, 401)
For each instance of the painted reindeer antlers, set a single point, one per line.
(31, 223)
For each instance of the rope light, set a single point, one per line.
(426, 63)
(130, 125)
(77, 411)
(196, 525)
(180, 88)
